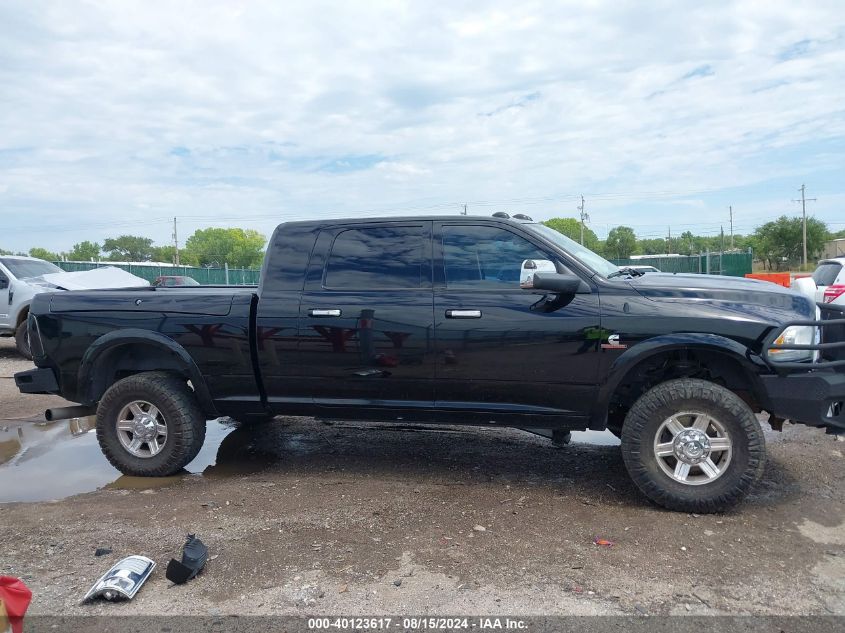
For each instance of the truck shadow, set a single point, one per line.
(447, 456)
(42, 461)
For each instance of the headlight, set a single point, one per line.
(795, 335)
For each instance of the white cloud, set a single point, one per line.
(115, 116)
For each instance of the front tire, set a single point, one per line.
(22, 341)
(150, 425)
(693, 446)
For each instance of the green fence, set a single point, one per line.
(236, 276)
(730, 264)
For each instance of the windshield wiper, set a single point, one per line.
(626, 270)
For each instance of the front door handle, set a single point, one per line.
(463, 314)
(324, 313)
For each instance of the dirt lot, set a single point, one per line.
(303, 517)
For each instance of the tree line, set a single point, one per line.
(778, 244)
(213, 247)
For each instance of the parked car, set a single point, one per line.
(459, 320)
(21, 278)
(175, 280)
(827, 285)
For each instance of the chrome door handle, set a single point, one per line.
(324, 313)
(463, 314)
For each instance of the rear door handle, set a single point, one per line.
(463, 314)
(324, 313)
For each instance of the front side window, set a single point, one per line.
(485, 257)
(379, 257)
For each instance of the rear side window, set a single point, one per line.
(485, 257)
(826, 273)
(378, 257)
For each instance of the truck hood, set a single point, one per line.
(723, 289)
(98, 278)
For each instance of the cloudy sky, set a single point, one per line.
(117, 116)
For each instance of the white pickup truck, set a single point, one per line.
(21, 278)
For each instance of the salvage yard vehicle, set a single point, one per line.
(457, 320)
(827, 283)
(21, 278)
(175, 280)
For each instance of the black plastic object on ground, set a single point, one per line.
(194, 555)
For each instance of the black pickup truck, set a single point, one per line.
(458, 320)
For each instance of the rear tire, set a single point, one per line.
(22, 341)
(693, 446)
(150, 425)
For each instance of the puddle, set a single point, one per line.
(43, 461)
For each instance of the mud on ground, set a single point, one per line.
(303, 517)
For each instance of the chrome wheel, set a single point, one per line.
(141, 429)
(692, 448)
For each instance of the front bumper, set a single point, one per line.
(41, 380)
(815, 399)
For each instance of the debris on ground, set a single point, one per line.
(123, 580)
(15, 597)
(194, 555)
(602, 542)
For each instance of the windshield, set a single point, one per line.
(579, 252)
(24, 268)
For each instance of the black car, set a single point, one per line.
(458, 320)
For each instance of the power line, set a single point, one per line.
(584, 217)
(731, 212)
(804, 202)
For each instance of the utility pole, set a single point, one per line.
(804, 202)
(465, 209)
(584, 218)
(669, 241)
(731, 212)
(175, 244)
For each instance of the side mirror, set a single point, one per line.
(532, 266)
(557, 283)
(4, 283)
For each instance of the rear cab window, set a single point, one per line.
(827, 273)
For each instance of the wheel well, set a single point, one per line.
(711, 365)
(22, 316)
(132, 358)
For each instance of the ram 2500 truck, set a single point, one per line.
(457, 320)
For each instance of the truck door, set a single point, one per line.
(497, 353)
(366, 330)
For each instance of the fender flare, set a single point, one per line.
(22, 313)
(750, 363)
(119, 338)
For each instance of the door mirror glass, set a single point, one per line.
(530, 267)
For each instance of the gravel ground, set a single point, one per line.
(303, 517)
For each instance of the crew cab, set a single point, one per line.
(456, 320)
